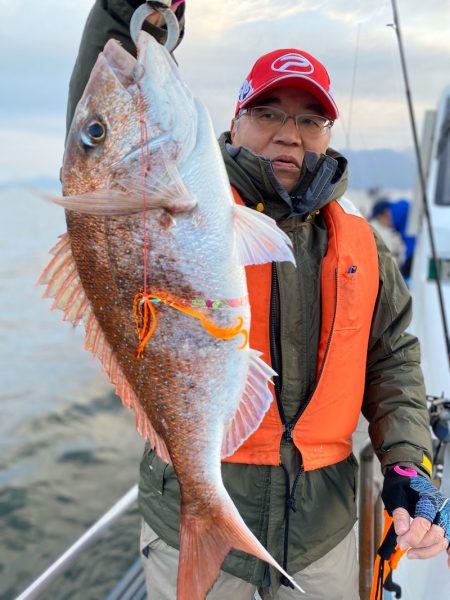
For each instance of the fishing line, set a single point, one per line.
(143, 308)
(352, 89)
(145, 163)
(396, 27)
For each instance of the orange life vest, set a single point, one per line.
(349, 287)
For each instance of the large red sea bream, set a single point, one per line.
(153, 264)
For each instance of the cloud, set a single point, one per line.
(352, 13)
(235, 13)
(39, 44)
(236, 33)
(29, 154)
(38, 47)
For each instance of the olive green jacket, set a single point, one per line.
(322, 508)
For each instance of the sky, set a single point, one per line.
(39, 43)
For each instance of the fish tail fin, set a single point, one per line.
(205, 541)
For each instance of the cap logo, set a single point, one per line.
(292, 63)
(246, 90)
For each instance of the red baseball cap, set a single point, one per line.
(288, 67)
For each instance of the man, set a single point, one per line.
(333, 329)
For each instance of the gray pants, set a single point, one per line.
(332, 577)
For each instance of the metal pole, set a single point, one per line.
(366, 519)
(445, 485)
(85, 540)
(396, 27)
(377, 517)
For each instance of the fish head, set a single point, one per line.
(105, 126)
(172, 113)
(131, 109)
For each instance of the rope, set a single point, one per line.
(146, 320)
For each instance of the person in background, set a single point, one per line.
(333, 329)
(400, 211)
(381, 221)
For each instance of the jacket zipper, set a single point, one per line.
(274, 327)
(289, 427)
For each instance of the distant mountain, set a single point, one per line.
(381, 168)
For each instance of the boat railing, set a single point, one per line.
(93, 533)
(370, 518)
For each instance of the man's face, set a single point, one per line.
(284, 147)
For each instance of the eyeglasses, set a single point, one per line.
(271, 119)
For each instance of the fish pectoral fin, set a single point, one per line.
(254, 404)
(133, 194)
(205, 540)
(102, 202)
(258, 239)
(168, 192)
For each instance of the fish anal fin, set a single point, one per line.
(254, 404)
(206, 539)
(64, 285)
(258, 239)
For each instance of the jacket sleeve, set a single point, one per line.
(107, 19)
(394, 400)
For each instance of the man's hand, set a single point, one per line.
(424, 539)
(407, 494)
(156, 18)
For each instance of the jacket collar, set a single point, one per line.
(323, 177)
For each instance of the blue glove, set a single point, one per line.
(404, 489)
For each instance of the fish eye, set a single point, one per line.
(93, 133)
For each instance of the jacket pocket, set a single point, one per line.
(349, 301)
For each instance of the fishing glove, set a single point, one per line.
(404, 488)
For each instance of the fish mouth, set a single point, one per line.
(126, 69)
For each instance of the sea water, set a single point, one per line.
(68, 449)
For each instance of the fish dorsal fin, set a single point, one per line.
(258, 238)
(254, 404)
(64, 285)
